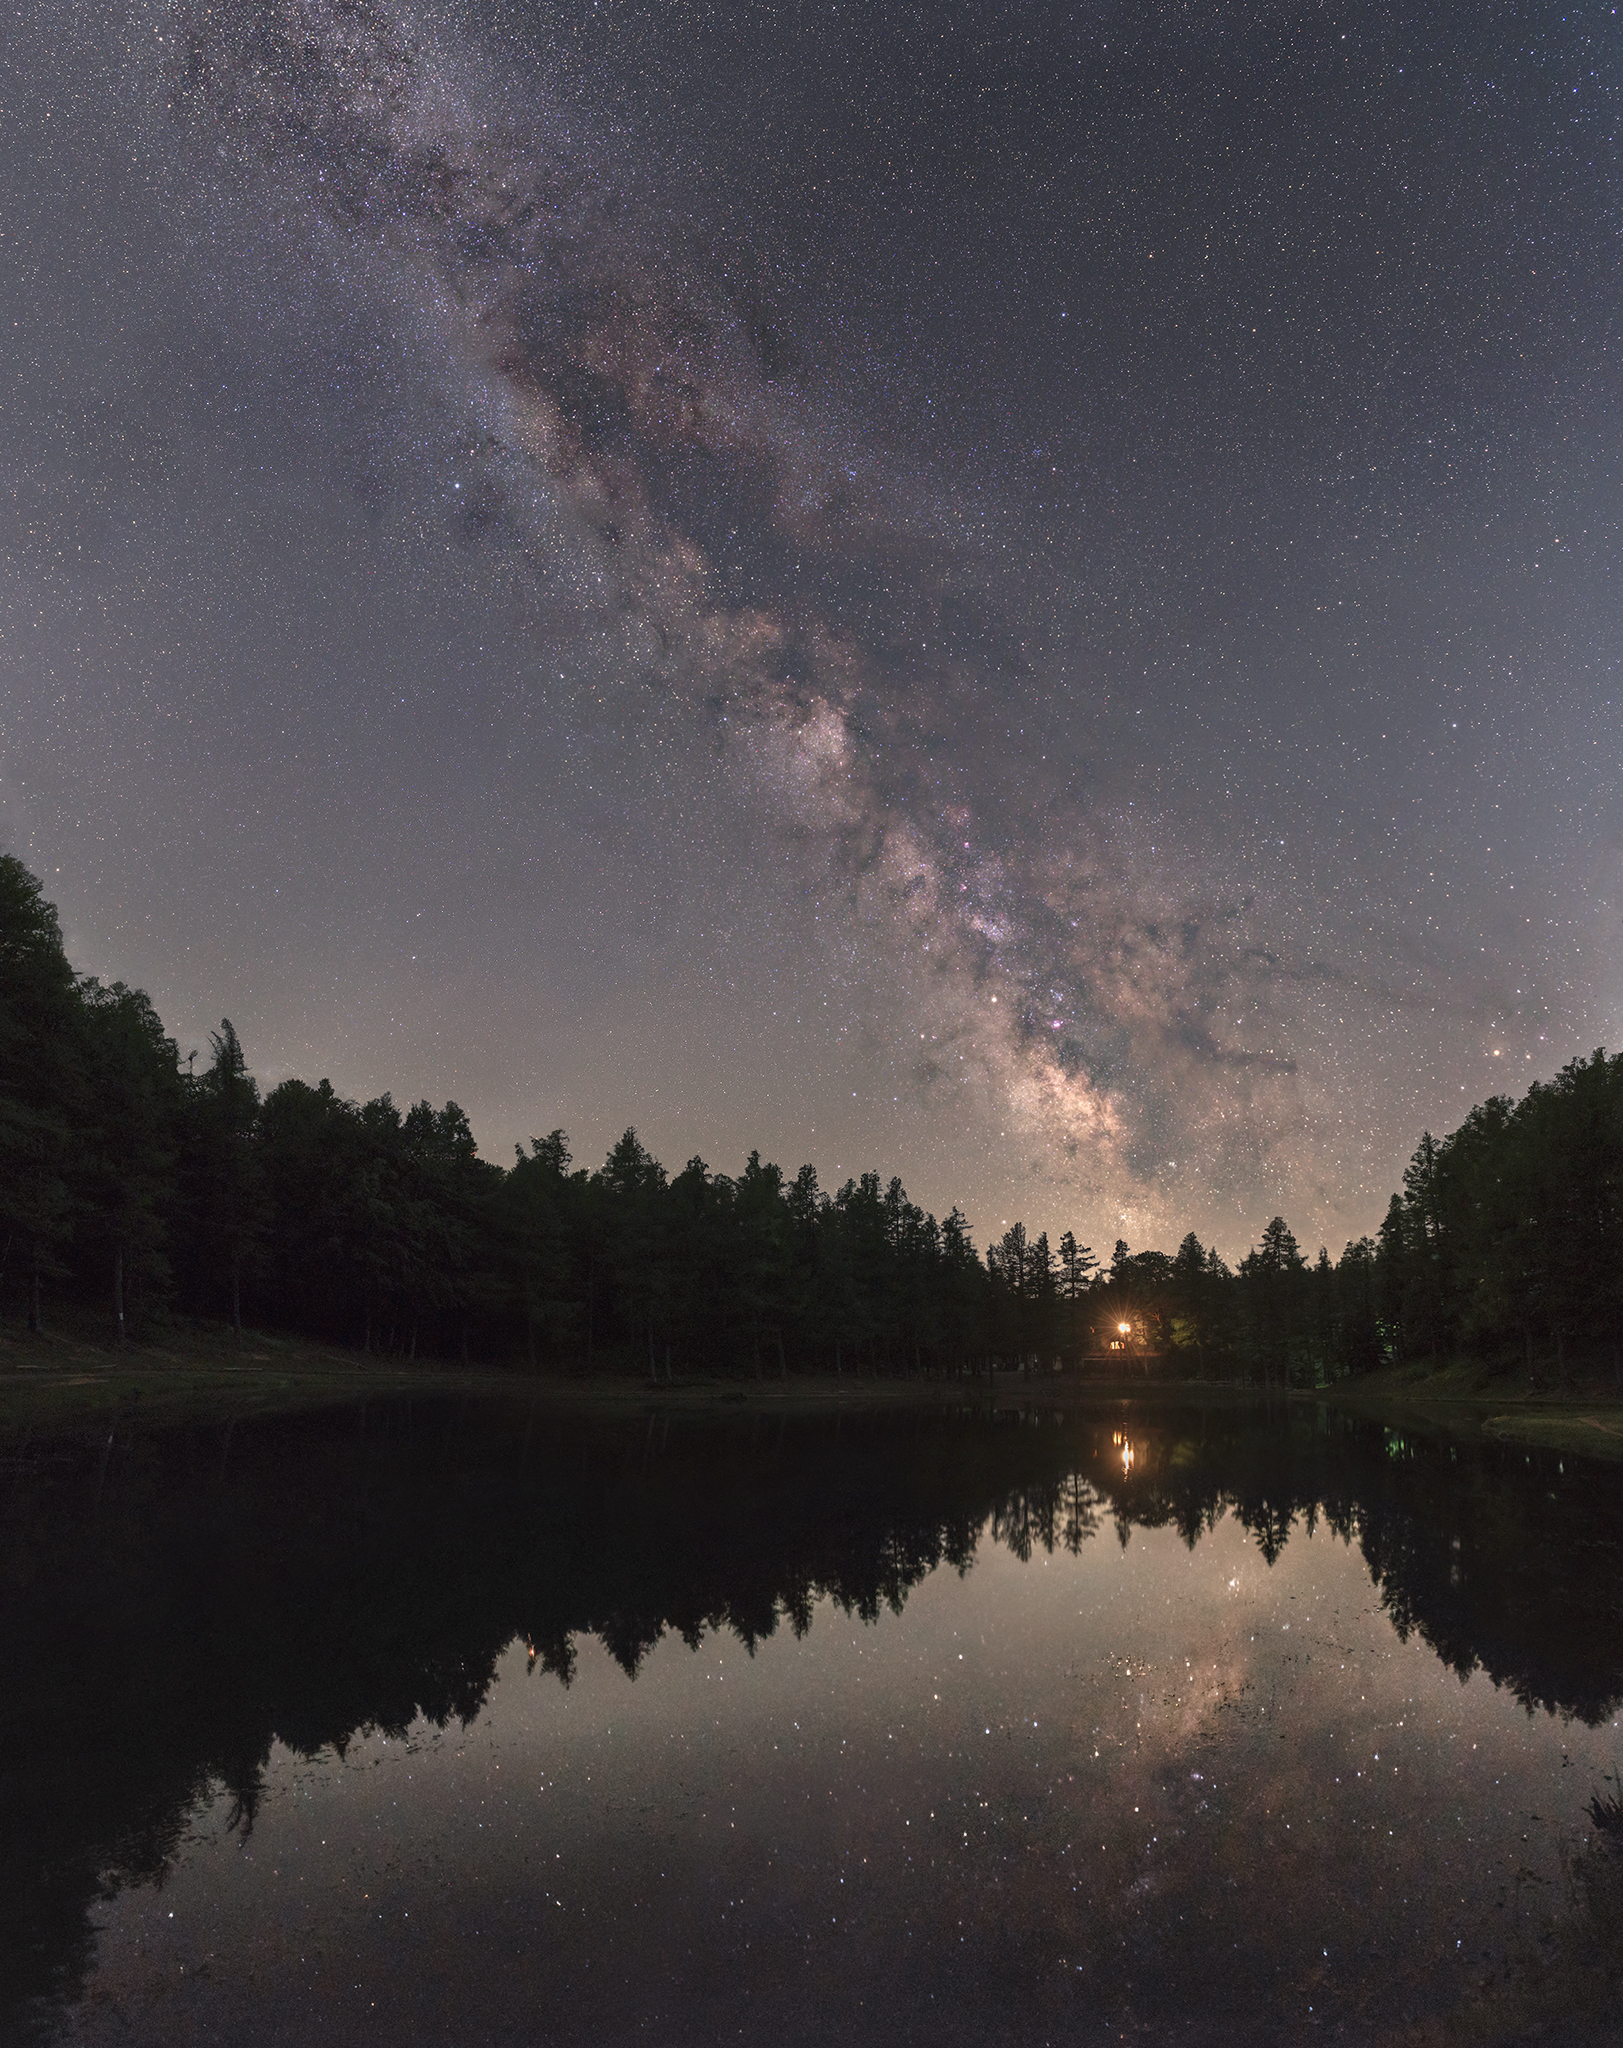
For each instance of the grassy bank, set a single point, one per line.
(1467, 1399)
(72, 1378)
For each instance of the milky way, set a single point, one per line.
(1100, 713)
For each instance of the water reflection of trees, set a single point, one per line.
(171, 1610)
(1052, 1514)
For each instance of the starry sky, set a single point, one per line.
(1021, 595)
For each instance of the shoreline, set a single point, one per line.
(68, 1383)
(61, 1383)
(1463, 1399)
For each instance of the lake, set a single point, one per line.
(482, 1722)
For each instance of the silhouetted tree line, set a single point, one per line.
(130, 1177)
(173, 1601)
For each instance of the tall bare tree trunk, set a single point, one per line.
(118, 1295)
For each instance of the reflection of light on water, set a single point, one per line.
(1126, 1449)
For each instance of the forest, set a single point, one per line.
(140, 1186)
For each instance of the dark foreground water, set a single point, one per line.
(469, 1723)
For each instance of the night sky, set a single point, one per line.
(1025, 596)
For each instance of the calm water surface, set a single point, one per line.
(474, 1724)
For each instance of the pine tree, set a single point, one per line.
(44, 1086)
(223, 1169)
(129, 1143)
